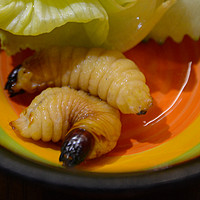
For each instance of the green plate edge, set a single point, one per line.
(7, 142)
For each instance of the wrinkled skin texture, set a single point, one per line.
(88, 126)
(103, 73)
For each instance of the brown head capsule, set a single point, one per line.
(12, 81)
(76, 146)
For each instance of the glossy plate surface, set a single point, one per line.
(167, 135)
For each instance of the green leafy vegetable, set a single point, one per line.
(181, 19)
(117, 24)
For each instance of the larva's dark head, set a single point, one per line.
(12, 79)
(77, 145)
(142, 112)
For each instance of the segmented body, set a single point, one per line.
(58, 111)
(104, 73)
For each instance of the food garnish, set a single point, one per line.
(180, 20)
(110, 24)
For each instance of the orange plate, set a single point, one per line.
(168, 134)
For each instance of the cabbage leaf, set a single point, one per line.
(114, 24)
(181, 19)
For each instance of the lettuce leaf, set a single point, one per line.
(116, 24)
(34, 17)
(181, 19)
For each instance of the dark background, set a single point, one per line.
(13, 188)
(21, 179)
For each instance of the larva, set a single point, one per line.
(83, 122)
(104, 73)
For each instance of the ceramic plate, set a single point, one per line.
(167, 135)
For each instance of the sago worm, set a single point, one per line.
(88, 126)
(104, 73)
